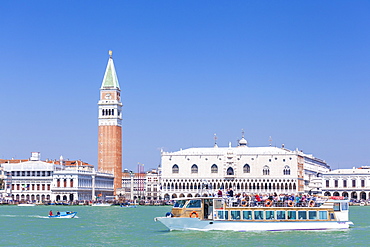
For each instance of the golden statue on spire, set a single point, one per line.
(110, 53)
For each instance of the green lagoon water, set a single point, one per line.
(115, 226)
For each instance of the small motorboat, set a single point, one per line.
(67, 214)
(101, 204)
(26, 204)
(128, 206)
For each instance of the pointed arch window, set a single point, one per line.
(194, 168)
(266, 170)
(246, 168)
(286, 170)
(230, 171)
(214, 168)
(175, 168)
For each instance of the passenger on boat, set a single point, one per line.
(219, 193)
(231, 193)
(50, 213)
(58, 213)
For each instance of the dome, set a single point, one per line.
(243, 142)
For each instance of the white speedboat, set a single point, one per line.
(101, 204)
(206, 213)
(26, 204)
(62, 215)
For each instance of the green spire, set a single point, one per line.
(110, 80)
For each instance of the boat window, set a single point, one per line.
(223, 215)
(219, 204)
(323, 215)
(336, 206)
(344, 206)
(280, 215)
(235, 215)
(179, 204)
(312, 215)
(247, 215)
(194, 204)
(270, 215)
(258, 215)
(302, 215)
(292, 215)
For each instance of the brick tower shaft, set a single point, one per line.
(110, 125)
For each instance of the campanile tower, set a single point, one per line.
(110, 125)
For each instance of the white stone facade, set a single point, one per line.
(350, 183)
(200, 171)
(82, 185)
(39, 181)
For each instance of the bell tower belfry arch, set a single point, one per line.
(110, 125)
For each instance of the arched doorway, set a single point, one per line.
(64, 198)
(327, 193)
(71, 197)
(345, 194)
(363, 195)
(336, 193)
(57, 198)
(174, 196)
(167, 197)
(354, 195)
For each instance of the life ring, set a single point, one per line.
(268, 203)
(290, 203)
(192, 214)
(311, 203)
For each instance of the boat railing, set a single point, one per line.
(235, 202)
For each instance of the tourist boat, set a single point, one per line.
(101, 204)
(64, 215)
(128, 206)
(26, 204)
(206, 213)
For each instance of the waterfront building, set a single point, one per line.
(133, 185)
(140, 185)
(29, 180)
(51, 180)
(82, 183)
(110, 125)
(152, 184)
(203, 171)
(349, 183)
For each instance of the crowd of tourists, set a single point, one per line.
(268, 200)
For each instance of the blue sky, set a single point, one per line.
(297, 71)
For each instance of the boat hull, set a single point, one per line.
(102, 205)
(64, 216)
(173, 223)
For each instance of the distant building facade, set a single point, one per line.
(349, 183)
(201, 171)
(110, 125)
(140, 186)
(43, 181)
